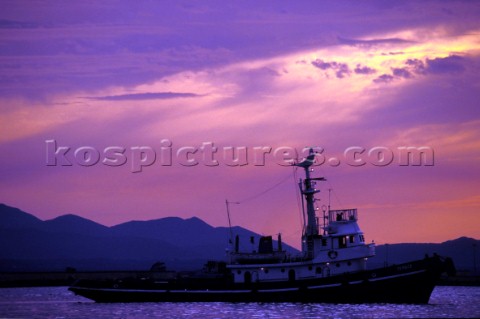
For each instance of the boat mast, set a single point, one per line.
(304, 226)
(309, 191)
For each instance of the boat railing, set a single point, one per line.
(371, 249)
(340, 215)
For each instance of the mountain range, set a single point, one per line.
(30, 244)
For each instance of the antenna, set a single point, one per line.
(324, 210)
(229, 221)
(329, 193)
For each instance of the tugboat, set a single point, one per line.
(332, 267)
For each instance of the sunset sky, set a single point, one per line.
(163, 76)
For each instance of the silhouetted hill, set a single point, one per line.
(461, 250)
(75, 224)
(30, 244)
(172, 229)
(12, 218)
(193, 233)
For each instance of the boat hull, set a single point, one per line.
(406, 283)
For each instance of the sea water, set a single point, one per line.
(58, 302)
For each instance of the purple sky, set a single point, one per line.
(333, 75)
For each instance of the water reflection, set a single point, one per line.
(48, 302)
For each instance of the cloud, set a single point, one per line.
(10, 24)
(416, 66)
(393, 53)
(145, 96)
(450, 64)
(87, 46)
(401, 72)
(341, 69)
(323, 65)
(384, 78)
(364, 70)
(372, 42)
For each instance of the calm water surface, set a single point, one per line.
(58, 302)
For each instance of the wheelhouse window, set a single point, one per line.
(342, 242)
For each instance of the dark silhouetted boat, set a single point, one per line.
(332, 267)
